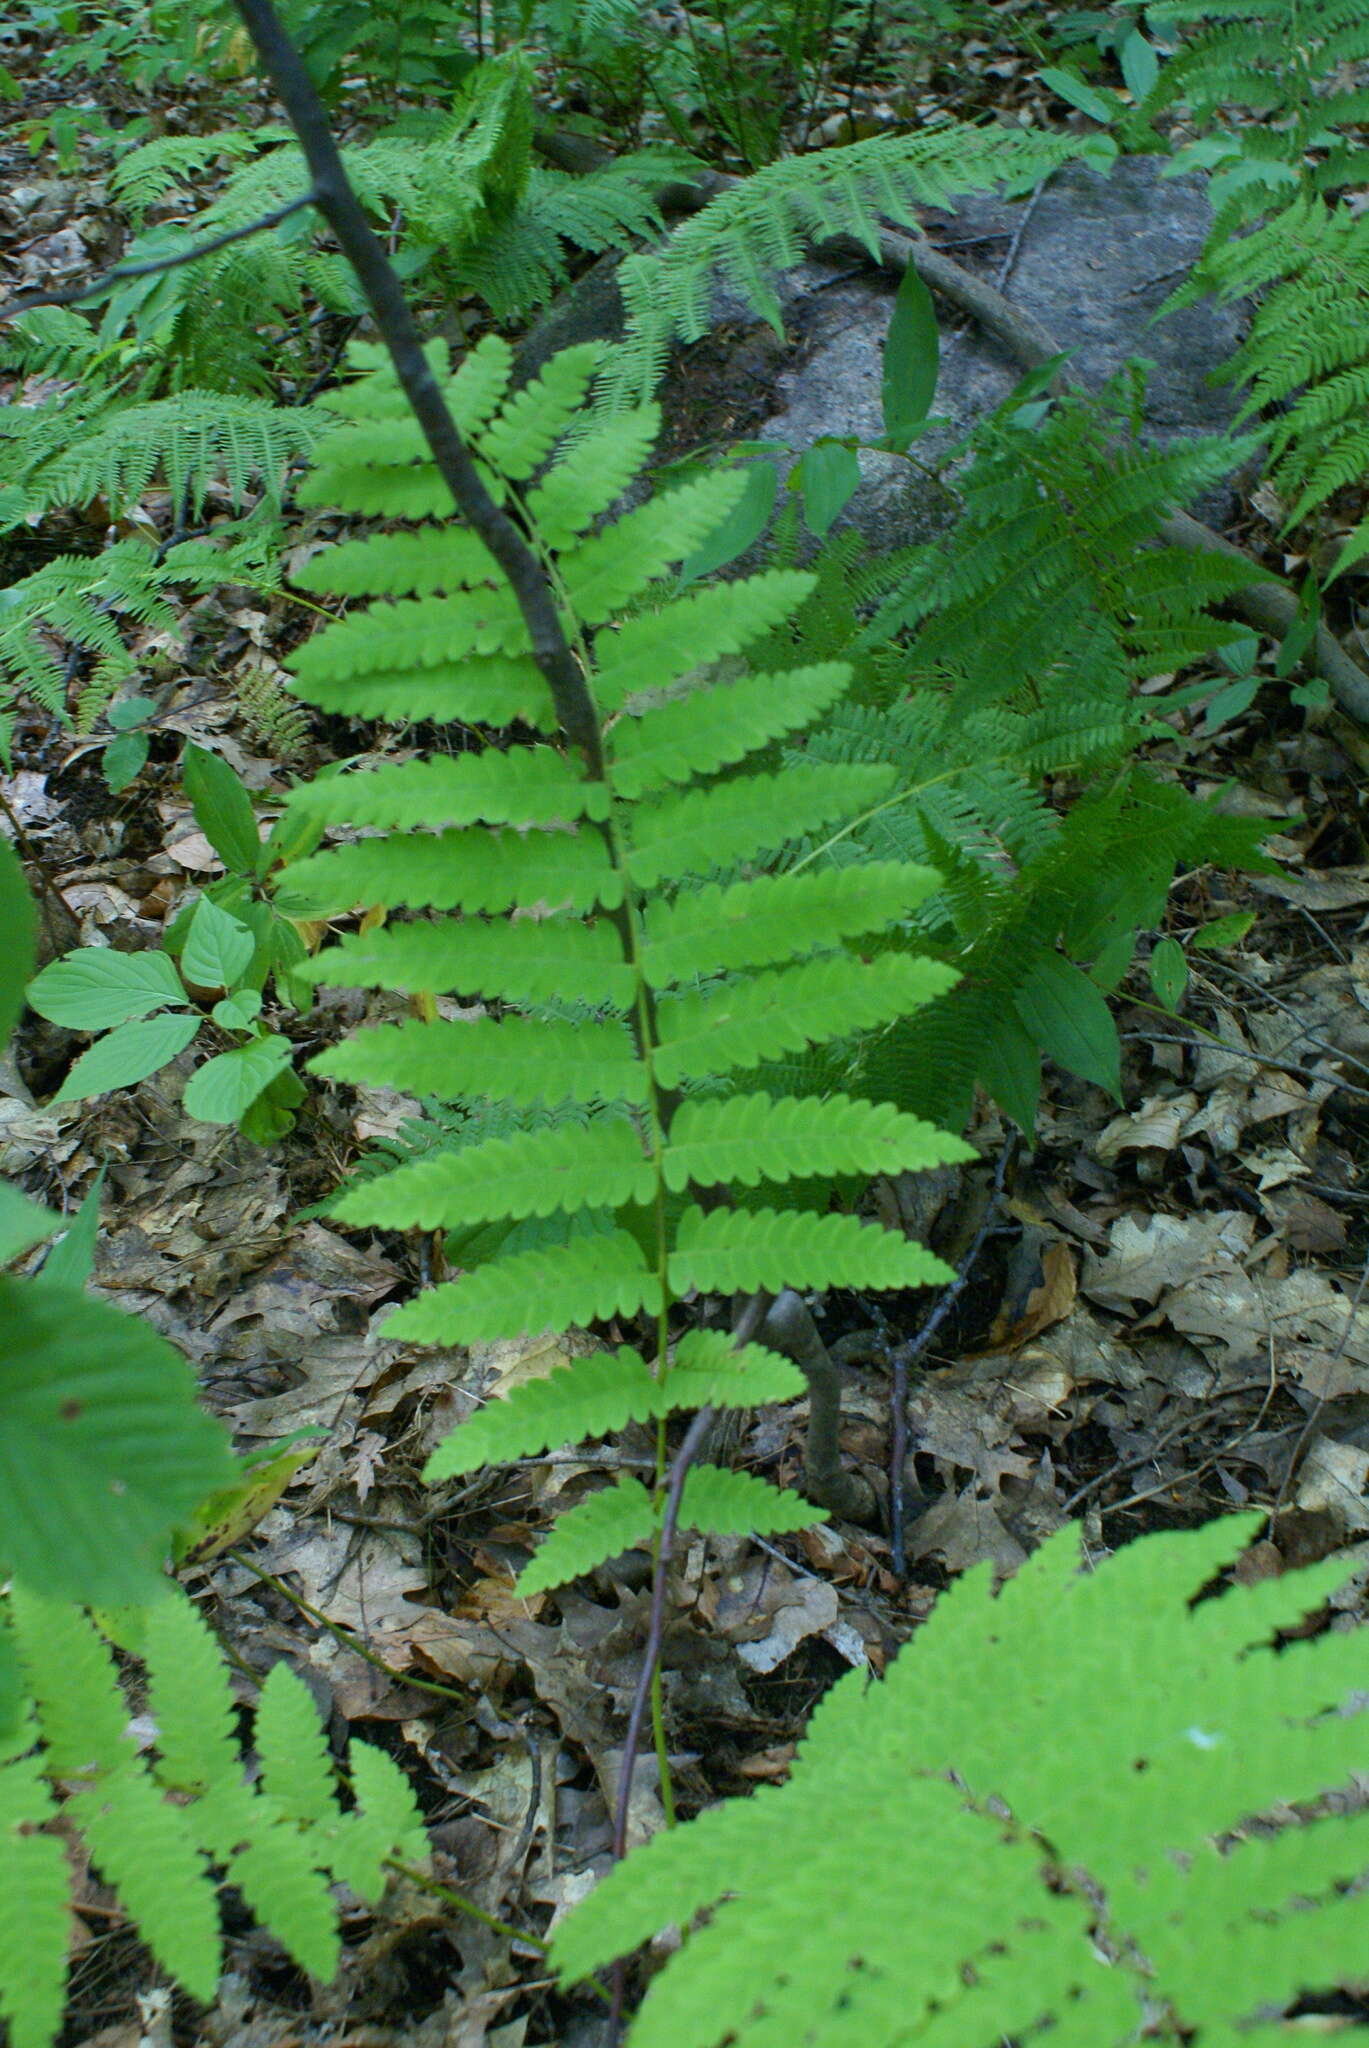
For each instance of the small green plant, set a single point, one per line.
(1045, 1824)
(165, 1828)
(224, 946)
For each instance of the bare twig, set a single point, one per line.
(340, 207)
(72, 295)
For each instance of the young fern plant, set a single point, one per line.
(608, 904)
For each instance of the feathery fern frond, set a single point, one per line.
(1069, 1882)
(158, 1825)
(597, 875)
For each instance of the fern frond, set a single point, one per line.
(535, 1174)
(494, 789)
(746, 1139)
(145, 1848)
(721, 1503)
(589, 1397)
(525, 962)
(619, 1517)
(705, 830)
(560, 1288)
(34, 1922)
(297, 1775)
(714, 728)
(776, 917)
(738, 1251)
(477, 871)
(603, 574)
(385, 1822)
(516, 1060)
(189, 441)
(189, 1699)
(788, 1008)
(719, 620)
(709, 1371)
(277, 1875)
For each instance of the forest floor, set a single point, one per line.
(1166, 1320)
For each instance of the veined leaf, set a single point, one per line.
(746, 1139)
(787, 1008)
(224, 1088)
(706, 829)
(589, 1397)
(618, 1518)
(737, 1251)
(526, 788)
(712, 728)
(557, 959)
(95, 987)
(776, 917)
(596, 1166)
(127, 1054)
(557, 1288)
(514, 1060)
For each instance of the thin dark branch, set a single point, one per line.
(72, 295)
(342, 210)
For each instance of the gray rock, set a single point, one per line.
(1094, 260)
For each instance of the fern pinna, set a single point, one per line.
(609, 905)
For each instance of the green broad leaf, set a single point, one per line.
(223, 810)
(130, 712)
(23, 1223)
(103, 1450)
(708, 1371)
(590, 1397)
(567, 1167)
(1223, 931)
(95, 988)
(218, 948)
(18, 935)
(71, 1261)
(239, 1011)
(828, 474)
(225, 1087)
(1009, 1066)
(738, 1251)
(911, 360)
(1070, 1020)
(124, 759)
(718, 1502)
(1169, 973)
(745, 1139)
(1140, 65)
(621, 1517)
(1068, 86)
(742, 527)
(559, 1287)
(127, 1054)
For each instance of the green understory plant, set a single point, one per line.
(222, 949)
(1084, 1813)
(165, 1827)
(635, 961)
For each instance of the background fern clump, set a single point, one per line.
(613, 910)
(1014, 1837)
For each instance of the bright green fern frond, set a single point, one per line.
(589, 1397)
(400, 565)
(706, 625)
(296, 1771)
(746, 1139)
(278, 1877)
(713, 728)
(561, 1288)
(709, 1371)
(721, 1503)
(385, 1822)
(495, 789)
(532, 421)
(535, 1174)
(590, 477)
(788, 1008)
(527, 962)
(476, 871)
(737, 1251)
(603, 574)
(708, 829)
(515, 1060)
(34, 1922)
(188, 441)
(190, 1699)
(775, 917)
(71, 1676)
(620, 1517)
(1029, 1810)
(146, 1849)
